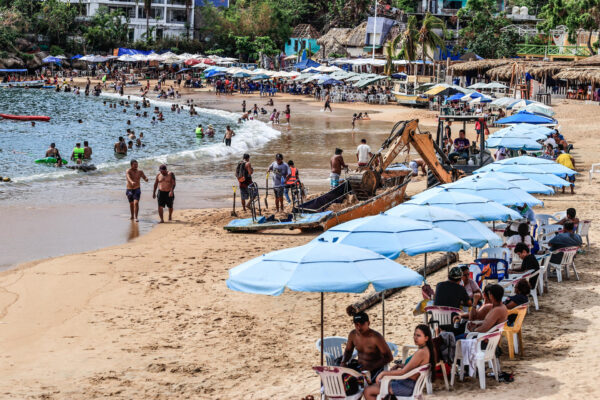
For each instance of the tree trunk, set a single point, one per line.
(589, 43)
(147, 26)
(375, 298)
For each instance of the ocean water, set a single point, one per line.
(171, 141)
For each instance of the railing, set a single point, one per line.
(546, 50)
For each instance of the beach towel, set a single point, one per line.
(469, 351)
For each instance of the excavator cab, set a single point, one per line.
(475, 159)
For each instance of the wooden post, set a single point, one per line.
(367, 302)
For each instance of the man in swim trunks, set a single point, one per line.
(165, 182)
(373, 352)
(133, 191)
(87, 151)
(53, 152)
(121, 146)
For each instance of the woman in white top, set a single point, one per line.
(522, 236)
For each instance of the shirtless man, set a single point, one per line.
(497, 314)
(415, 165)
(373, 351)
(53, 152)
(133, 191)
(121, 146)
(165, 182)
(87, 151)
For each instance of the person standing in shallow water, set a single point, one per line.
(229, 133)
(165, 182)
(134, 191)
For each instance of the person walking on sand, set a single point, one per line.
(244, 173)
(281, 173)
(134, 191)
(327, 102)
(244, 106)
(165, 182)
(229, 133)
(288, 113)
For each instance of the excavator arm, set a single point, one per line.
(404, 135)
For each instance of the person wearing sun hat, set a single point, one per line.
(451, 293)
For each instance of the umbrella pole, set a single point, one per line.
(322, 344)
(383, 312)
(425, 267)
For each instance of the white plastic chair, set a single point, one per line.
(583, 229)
(543, 278)
(333, 383)
(440, 314)
(428, 384)
(543, 219)
(544, 240)
(567, 262)
(496, 252)
(333, 347)
(559, 215)
(417, 393)
(481, 356)
(595, 168)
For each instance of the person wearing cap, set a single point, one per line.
(165, 182)
(336, 163)
(373, 351)
(281, 173)
(451, 293)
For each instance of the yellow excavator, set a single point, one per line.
(404, 134)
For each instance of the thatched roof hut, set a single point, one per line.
(305, 31)
(590, 61)
(479, 66)
(333, 41)
(580, 75)
(356, 37)
(537, 69)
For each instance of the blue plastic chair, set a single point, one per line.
(499, 267)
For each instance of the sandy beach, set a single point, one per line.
(153, 318)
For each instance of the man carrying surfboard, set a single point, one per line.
(53, 152)
(134, 191)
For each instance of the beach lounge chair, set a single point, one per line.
(583, 229)
(595, 168)
(481, 357)
(333, 382)
(567, 262)
(423, 372)
(513, 333)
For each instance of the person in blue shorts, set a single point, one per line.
(134, 191)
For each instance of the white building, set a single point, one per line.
(168, 16)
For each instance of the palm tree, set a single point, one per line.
(391, 54)
(428, 39)
(147, 9)
(188, 6)
(409, 41)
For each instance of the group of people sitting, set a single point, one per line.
(483, 309)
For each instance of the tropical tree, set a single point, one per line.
(108, 29)
(11, 23)
(56, 20)
(410, 37)
(428, 39)
(147, 10)
(575, 15)
(391, 54)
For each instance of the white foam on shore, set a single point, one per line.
(249, 136)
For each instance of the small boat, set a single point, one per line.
(26, 117)
(23, 84)
(316, 214)
(414, 100)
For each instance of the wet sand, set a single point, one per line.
(153, 318)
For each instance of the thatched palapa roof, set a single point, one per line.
(478, 66)
(590, 61)
(333, 41)
(305, 31)
(582, 75)
(356, 37)
(537, 69)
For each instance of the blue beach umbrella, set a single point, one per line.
(478, 207)
(260, 77)
(519, 103)
(526, 184)
(455, 97)
(513, 141)
(499, 191)
(390, 236)
(320, 267)
(462, 225)
(526, 117)
(76, 57)
(531, 172)
(50, 60)
(534, 132)
(241, 75)
(537, 162)
(332, 82)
